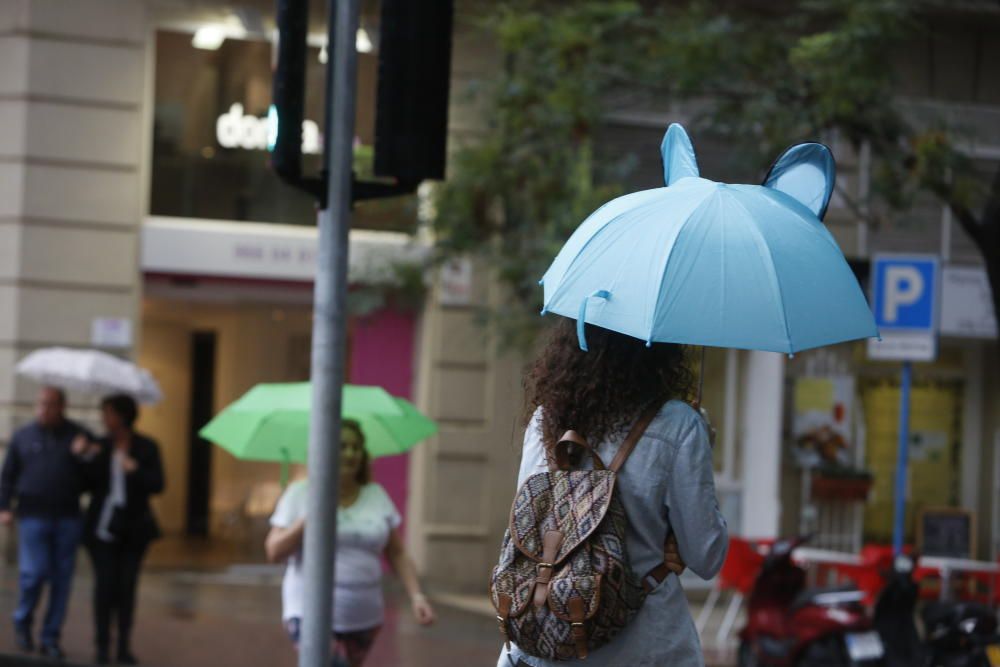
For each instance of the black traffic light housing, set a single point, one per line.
(411, 108)
(414, 69)
(288, 97)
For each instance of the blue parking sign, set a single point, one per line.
(905, 292)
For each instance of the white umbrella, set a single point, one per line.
(89, 371)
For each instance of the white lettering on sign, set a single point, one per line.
(967, 303)
(234, 129)
(905, 346)
(904, 287)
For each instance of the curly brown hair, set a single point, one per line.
(600, 392)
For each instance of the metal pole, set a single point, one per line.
(329, 337)
(902, 459)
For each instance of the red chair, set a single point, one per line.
(876, 562)
(982, 587)
(737, 576)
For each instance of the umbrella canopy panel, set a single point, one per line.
(89, 371)
(706, 263)
(271, 422)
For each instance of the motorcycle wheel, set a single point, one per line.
(828, 652)
(747, 657)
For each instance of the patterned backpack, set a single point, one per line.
(563, 586)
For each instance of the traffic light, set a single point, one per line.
(411, 107)
(414, 70)
(284, 118)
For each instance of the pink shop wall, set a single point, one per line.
(382, 349)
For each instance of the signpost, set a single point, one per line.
(411, 127)
(905, 297)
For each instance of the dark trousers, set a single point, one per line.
(46, 554)
(116, 575)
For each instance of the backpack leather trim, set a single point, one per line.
(562, 455)
(551, 541)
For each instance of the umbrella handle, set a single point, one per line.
(701, 378)
(286, 461)
(581, 320)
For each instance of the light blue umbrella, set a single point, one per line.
(706, 263)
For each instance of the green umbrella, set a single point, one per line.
(271, 422)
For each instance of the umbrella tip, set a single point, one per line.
(649, 343)
(544, 310)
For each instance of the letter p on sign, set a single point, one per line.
(903, 287)
(905, 292)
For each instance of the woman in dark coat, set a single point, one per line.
(124, 472)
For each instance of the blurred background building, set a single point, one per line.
(138, 214)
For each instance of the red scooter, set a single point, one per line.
(790, 626)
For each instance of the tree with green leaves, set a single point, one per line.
(757, 77)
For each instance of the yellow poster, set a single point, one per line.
(822, 420)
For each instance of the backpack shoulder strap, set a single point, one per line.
(559, 457)
(633, 438)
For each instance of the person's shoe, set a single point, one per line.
(126, 658)
(52, 651)
(102, 657)
(22, 638)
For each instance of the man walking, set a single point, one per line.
(42, 476)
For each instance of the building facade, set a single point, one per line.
(134, 191)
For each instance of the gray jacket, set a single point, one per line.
(667, 485)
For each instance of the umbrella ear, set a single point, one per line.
(678, 155)
(805, 172)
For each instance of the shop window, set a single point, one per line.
(935, 450)
(209, 157)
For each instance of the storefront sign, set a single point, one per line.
(235, 129)
(209, 142)
(967, 303)
(192, 247)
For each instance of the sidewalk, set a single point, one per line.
(207, 620)
(480, 605)
(231, 617)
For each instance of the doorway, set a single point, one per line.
(202, 408)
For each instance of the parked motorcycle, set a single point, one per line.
(961, 634)
(958, 634)
(895, 617)
(790, 626)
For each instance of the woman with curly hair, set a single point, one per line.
(666, 485)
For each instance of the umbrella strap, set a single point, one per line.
(701, 377)
(582, 319)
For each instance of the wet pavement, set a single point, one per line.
(231, 616)
(190, 619)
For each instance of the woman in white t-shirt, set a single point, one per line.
(367, 528)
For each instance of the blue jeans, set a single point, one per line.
(46, 554)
